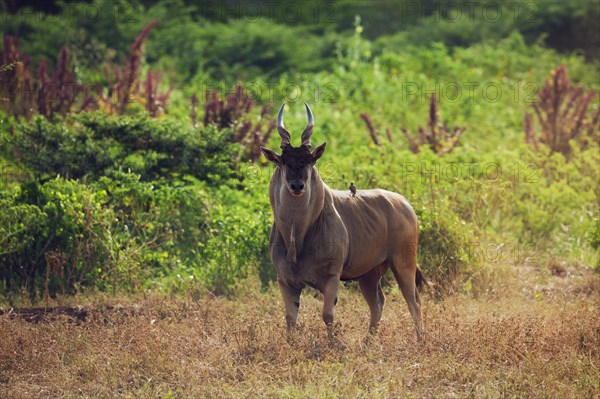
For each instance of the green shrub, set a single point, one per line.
(113, 234)
(19, 226)
(446, 249)
(235, 246)
(59, 218)
(559, 209)
(562, 25)
(239, 50)
(94, 144)
(230, 246)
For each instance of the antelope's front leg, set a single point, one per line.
(330, 294)
(291, 300)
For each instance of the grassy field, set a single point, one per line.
(537, 335)
(135, 216)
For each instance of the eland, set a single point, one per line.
(322, 236)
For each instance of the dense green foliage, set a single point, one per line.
(132, 202)
(93, 144)
(119, 232)
(225, 40)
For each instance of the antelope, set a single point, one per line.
(322, 236)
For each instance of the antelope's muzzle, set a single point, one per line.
(297, 188)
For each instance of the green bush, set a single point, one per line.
(112, 234)
(229, 45)
(19, 227)
(235, 244)
(121, 233)
(58, 218)
(219, 239)
(446, 249)
(562, 25)
(94, 144)
(239, 50)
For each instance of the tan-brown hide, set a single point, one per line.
(321, 236)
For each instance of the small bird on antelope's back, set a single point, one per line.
(353, 189)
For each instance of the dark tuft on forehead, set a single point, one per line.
(296, 157)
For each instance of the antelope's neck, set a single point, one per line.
(294, 216)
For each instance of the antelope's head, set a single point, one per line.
(295, 163)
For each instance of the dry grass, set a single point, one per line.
(526, 343)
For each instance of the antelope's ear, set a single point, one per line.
(318, 152)
(271, 155)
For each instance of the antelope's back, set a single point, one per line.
(380, 224)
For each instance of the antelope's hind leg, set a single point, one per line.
(405, 272)
(370, 287)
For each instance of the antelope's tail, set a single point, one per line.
(420, 280)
